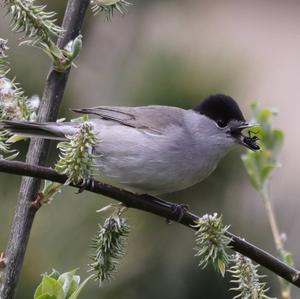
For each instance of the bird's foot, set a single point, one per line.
(86, 184)
(178, 210)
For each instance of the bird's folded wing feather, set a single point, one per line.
(153, 118)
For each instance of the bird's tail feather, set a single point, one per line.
(56, 131)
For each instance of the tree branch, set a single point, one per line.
(37, 154)
(158, 207)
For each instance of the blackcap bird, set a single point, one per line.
(155, 149)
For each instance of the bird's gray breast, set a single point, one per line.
(145, 162)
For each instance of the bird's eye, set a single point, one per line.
(221, 123)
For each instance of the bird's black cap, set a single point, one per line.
(220, 108)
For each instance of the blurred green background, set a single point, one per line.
(174, 53)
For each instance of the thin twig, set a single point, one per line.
(285, 288)
(161, 208)
(37, 154)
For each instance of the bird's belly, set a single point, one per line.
(146, 170)
(145, 163)
(145, 177)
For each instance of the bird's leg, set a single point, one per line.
(86, 184)
(177, 209)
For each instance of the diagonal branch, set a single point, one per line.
(158, 207)
(37, 154)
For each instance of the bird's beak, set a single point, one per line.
(236, 132)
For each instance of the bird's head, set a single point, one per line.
(227, 120)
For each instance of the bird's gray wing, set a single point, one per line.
(151, 118)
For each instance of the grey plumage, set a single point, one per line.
(51, 130)
(153, 118)
(151, 149)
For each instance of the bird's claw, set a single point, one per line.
(179, 210)
(86, 184)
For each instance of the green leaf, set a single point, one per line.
(278, 137)
(265, 172)
(221, 267)
(69, 282)
(78, 291)
(60, 286)
(49, 191)
(287, 257)
(54, 274)
(49, 286)
(264, 115)
(260, 165)
(289, 260)
(249, 163)
(46, 296)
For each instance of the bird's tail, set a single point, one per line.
(51, 130)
